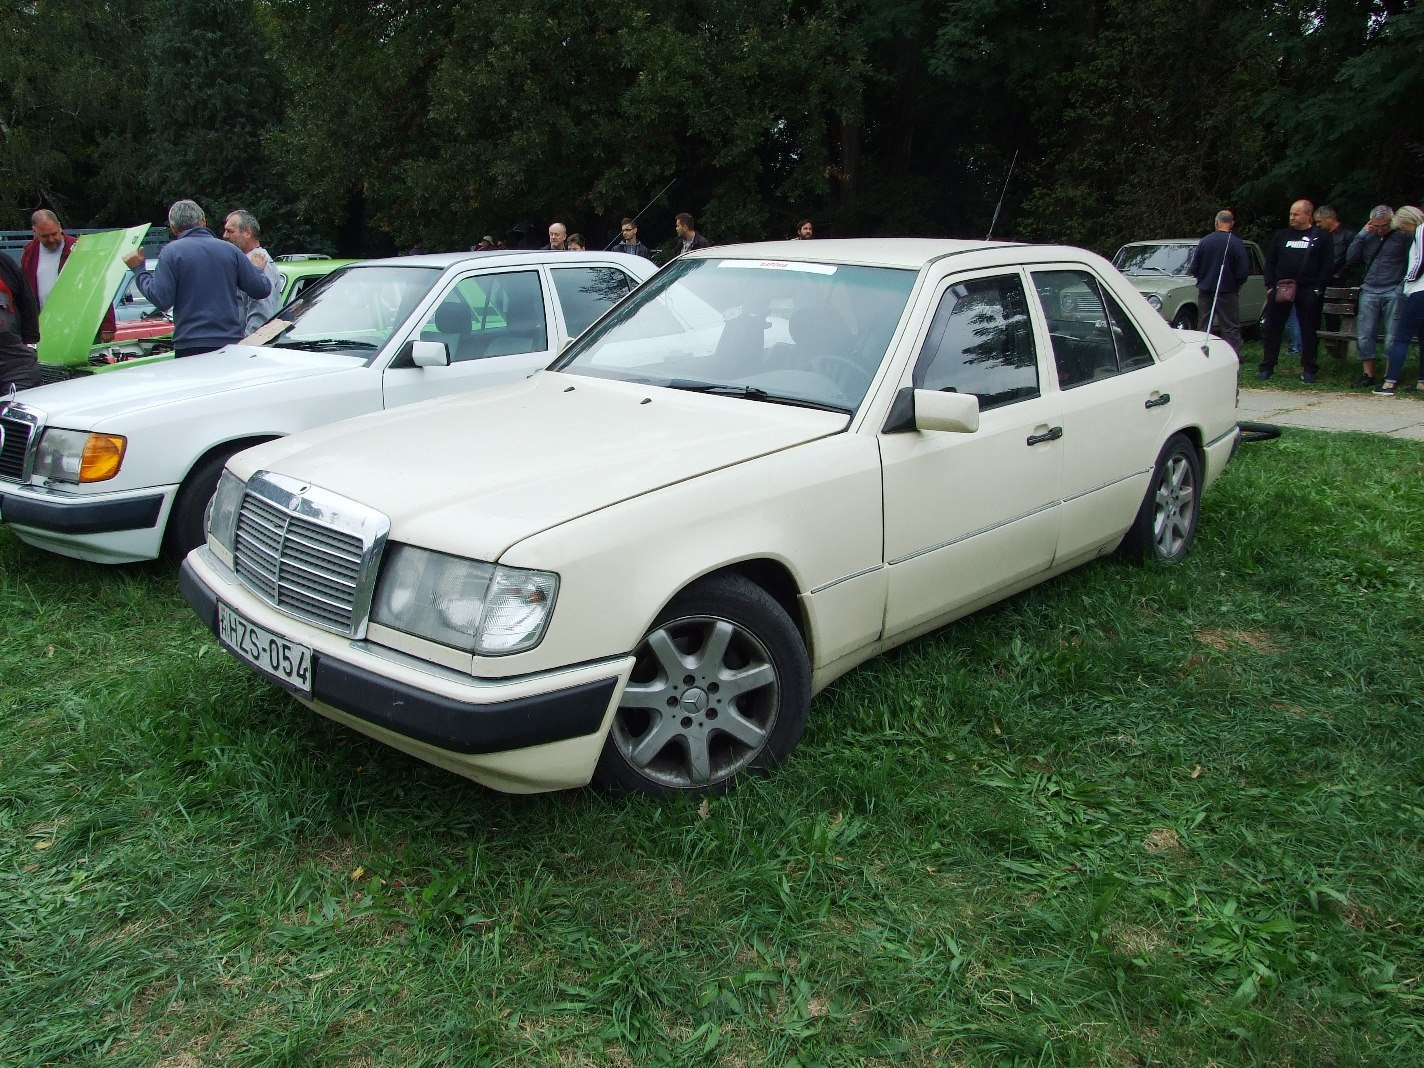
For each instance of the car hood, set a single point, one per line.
(100, 402)
(1160, 283)
(83, 292)
(473, 475)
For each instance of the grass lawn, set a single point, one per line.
(1134, 817)
(1337, 372)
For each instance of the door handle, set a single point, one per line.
(1157, 402)
(1052, 435)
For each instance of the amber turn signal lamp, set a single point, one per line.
(103, 453)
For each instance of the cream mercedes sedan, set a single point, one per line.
(766, 465)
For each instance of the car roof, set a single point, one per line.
(512, 257)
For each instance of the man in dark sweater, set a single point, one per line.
(1221, 265)
(1384, 254)
(1303, 254)
(198, 276)
(629, 243)
(19, 330)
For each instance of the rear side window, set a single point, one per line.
(980, 342)
(1091, 334)
(585, 293)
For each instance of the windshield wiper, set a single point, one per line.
(755, 393)
(324, 344)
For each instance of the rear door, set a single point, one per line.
(1114, 403)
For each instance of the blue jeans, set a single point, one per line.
(1293, 333)
(1410, 323)
(1377, 307)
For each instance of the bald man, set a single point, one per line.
(1301, 254)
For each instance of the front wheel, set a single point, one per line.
(185, 523)
(1166, 522)
(720, 685)
(1186, 318)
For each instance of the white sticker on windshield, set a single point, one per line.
(266, 332)
(780, 265)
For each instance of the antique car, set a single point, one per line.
(116, 468)
(767, 465)
(1159, 271)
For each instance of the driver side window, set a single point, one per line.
(980, 342)
(490, 315)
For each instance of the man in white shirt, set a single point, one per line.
(44, 257)
(242, 229)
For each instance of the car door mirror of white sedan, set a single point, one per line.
(938, 410)
(429, 354)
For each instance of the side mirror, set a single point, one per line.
(429, 354)
(933, 410)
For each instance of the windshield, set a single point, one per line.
(1155, 259)
(354, 311)
(783, 331)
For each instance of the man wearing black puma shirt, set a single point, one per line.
(1303, 253)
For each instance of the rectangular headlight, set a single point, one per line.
(78, 456)
(221, 520)
(466, 604)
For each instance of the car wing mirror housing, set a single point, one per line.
(429, 354)
(933, 410)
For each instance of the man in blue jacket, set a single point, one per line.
(198, 276)
(1221, 265)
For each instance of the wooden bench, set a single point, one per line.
(1341, 301)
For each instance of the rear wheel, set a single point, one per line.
(720, 686)
(185, 523)
(1166, 522)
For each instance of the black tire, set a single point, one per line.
(720, 687)
(185, 522)
(1166, 523)
(1259, 431)
(1186, 318)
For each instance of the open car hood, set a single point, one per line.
(83, 293)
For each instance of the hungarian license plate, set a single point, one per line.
(273, 655)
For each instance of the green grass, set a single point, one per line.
(1337, 372)
(1133, 817)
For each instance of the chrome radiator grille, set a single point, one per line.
(19, 428)
(309, 553)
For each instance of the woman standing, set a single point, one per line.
(1410, 324)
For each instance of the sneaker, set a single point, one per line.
(1386, 390)
(1308, 378)
(1263, 374)
(1365, 382)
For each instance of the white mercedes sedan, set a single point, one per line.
(120, 467)
(769, 464)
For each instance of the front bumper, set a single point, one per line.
(109, 528)
(521, 734)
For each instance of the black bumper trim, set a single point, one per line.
(96, 517)
(444, 722)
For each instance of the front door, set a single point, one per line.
(496, 328)
(969, 514)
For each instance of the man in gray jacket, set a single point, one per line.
(1384, 253)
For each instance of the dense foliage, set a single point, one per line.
(369, 125)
